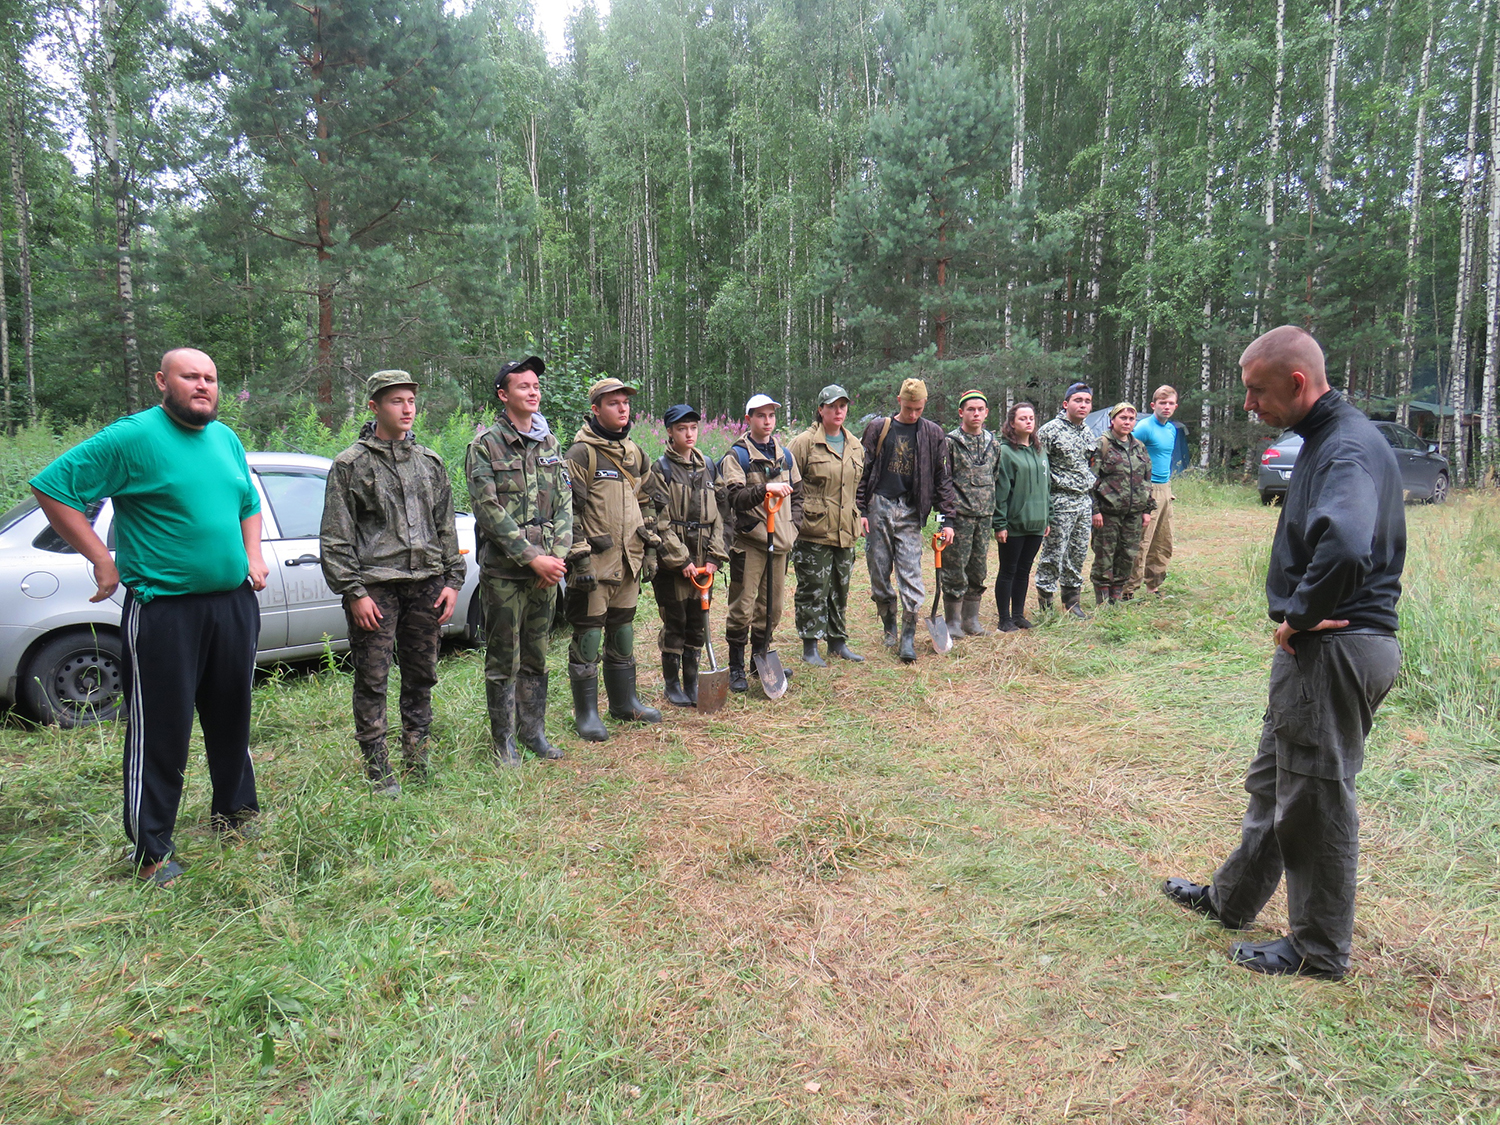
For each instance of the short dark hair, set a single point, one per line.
(379, 396)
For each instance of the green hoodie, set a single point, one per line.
(1022, 489)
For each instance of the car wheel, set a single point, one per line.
(1439, 489)
(75, 679)
(1267, 497)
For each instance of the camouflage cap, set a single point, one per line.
(1117, 407)
(606, 386)
(391, 378)
(831, 394)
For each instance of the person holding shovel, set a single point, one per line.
(906, 475)
(759, 474)
(614, 550)
(683, 487)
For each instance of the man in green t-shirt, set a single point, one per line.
(187, 521)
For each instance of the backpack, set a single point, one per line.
(742, 455)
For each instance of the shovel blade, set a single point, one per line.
(937, 628)
(713, 690)
(772, 674)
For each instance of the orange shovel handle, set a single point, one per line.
(771, 510)
(704, 589)
(937, 549)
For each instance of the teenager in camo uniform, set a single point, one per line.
(973, 463)
(1069, 447)
(1123, 503)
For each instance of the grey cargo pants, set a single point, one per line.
(1302, 818)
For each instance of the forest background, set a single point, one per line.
(710, 199)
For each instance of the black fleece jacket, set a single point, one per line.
(1341, 541)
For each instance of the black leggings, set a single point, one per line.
(1017, 554)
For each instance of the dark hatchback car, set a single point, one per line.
(1424, 471)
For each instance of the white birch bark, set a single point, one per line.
(1273, 163)
(1096, 259)
(124, 220)
(1487, 444)
(1330, 102)
(1205, 367)
(1413, 230)
(1450, 432)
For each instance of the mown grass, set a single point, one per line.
(920, 894)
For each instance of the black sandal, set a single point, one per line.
(1278, 958)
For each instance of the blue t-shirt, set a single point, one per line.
(179, 496)
(1160, 440)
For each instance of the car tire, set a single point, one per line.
(1267, 498)
(1439, 489)
(75, 679)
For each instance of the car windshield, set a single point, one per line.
(17, 514)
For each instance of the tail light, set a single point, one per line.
(1270, 455)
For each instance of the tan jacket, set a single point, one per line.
(830, 515)
(686, 496)
(745, 495)
(610, 506)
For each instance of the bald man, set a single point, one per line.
(1332, 587)
(187, 525)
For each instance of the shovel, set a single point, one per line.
(768, 664)
(713, 685)
(936, 626)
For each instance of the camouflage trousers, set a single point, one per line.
(966, 559)
(517, 623)
(822, 594)
(1066, 546)
(410, 635)
(895, 544)
(1116, 547)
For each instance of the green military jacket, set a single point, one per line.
(1021, 490)
(1123, 469)
(610, 506)
(973, 460)
(388, 517)
(830, 483)
(521, 495)
(685, 493)
(1070, 451)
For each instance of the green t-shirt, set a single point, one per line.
(835, 441)
(179, 496)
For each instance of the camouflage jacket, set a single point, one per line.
(1123, 468)
(388, 517)
(522, 498)
(973, 463)
(685, 493)
(830, 486)
(1070, 452)
(610, 506)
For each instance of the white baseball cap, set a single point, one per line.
(757, 401)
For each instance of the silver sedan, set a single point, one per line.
(60, 653)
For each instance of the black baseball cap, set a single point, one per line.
(682, 412)
(532, 363)
(1077, 389)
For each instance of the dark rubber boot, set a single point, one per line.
(531, 716)
(908, 647)
(1008, 625)
(414, 759)
(888, 623)
(810, 653)
(671, 672)
(1101, 593)
(619, 685)
(690, 675)
(952, 608)
(737, 681)
(584, 680)
(378, 773)
(1070, 598)
(972, 627)
(841, 649)
(500, 699)
(1043, 600)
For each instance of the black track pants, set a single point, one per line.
(192, 650)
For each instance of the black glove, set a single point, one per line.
(648, 566)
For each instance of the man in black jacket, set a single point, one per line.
(1332, 587)
(905, 477)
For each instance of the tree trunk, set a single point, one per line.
(1205, 366)
(1409, 309)
(1096, 258)
(22, 201)
(1330, 103)
(124, 219)
(10, 428)
(1273, 170)
(1487, 445)
(1450, 431)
